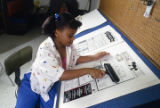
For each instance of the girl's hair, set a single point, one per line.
(59, 22)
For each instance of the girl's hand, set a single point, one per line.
(100, 55)
(96, 73)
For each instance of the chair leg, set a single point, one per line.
(11, 81)
(17, 77)
(16, 92)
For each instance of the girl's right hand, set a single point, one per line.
(96, 73)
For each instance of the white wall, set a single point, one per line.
(95, 4)
(44, 2)
(84, 4)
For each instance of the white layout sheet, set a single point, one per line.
(132, 72)
(90, 20)
(99, 39)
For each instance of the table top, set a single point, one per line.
(136, 98)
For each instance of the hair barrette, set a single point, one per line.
(56, 16)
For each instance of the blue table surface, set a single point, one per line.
(136, 98)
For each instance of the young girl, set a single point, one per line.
(54, 61)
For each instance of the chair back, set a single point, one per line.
(16, 60)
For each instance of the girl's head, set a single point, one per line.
(61, 27)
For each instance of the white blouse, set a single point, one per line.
(47, 67)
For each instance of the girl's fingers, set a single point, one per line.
(103, 73)
(105, 53)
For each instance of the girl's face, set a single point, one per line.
(65, 36)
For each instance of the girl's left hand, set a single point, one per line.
(100, 55)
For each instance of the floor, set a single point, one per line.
(12, 41)
(12, 44)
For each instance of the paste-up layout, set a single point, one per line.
(123, 65)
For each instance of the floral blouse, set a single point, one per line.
(47, 67)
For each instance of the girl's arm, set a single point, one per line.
(71, 74)
(95, 73)
(83, 59)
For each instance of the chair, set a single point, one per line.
(15, 61)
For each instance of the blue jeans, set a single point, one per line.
(28, 99)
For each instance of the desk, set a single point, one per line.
(139, 97)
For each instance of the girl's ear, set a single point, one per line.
(56, 32)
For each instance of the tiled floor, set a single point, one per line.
(7, 90)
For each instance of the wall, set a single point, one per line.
(95, 4)
(143, 32)
(44, 2)
(83, 4)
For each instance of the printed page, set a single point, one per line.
(122, 71)
(104, 37)
(70, 84)
(85, 79)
